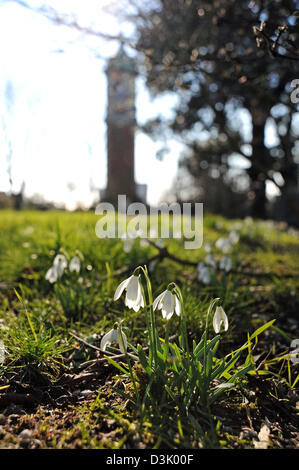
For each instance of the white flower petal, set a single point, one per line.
(111, 337)
(142, 302)
(121, 288)
(157, 300)
(224, 244)
(60, 263)
(167, 304)
(178, 307)
(132, 290)
(204, 274)
(75, 264)
(219, 318)
(225, 263)
(199, 267)
(233, 237)
(60, 259)
(207, 247)
(140, 299)
(105, 340)
(134, 298)
(168, 316)
(209, 259)
(216, 324)
(51, 275)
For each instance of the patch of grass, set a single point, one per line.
(40, 352)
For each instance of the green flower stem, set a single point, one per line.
(148, 325)
(183, 325)
(153, 330)
(210, 309)
(166, 344)
(211, 306)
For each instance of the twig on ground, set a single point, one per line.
(165, 254)
(102, 359)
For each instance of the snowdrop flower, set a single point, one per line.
(233, 237)
(28, 230)
(134, 297)
(238, 226)
(56, 271)
(152, 265)
(209, 259)
(168, 303)
(203, 273)
(127, 245)
(113, 337)
(207, 247)
(143, 242)
(2, 352)
(51, 275)
(160, 243)
(127, 242)
(224, 244)
(219, 318)
(60, 264)
(225, 263)
(75, 264)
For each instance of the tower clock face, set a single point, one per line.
(119, 84)
(121, 97)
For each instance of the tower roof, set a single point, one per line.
(122, 61)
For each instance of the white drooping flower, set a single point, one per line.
(152, 265)
(160, 243)
(207, 247)
(2, 352)
(134, 297)
(219, 318)
(51, 275)
(238, 226)
(168, 303)
(28, 230)
(75, 264)
(128, 242)
(60, 263)
(248, 220)
(203, 273)
(209, 259)
(233, 237)
(113, 337)
(127, 245)
(225, 263)
(224, 244)
(143, 242)
(56, 271)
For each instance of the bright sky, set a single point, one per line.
(57, 122)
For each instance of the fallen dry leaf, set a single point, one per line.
(263, 436)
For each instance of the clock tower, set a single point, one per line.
(121, 121)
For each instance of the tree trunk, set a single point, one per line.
(258, 170)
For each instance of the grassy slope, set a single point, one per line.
(57, 415)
